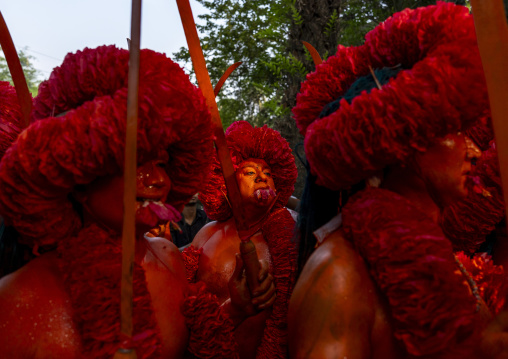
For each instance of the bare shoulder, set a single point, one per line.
(207, 232)
(36, 312)
(332, 308)
(38, 279)
(163, 255)
(336, 256)
(334, 265)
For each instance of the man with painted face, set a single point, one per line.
(379, 278)
(62, 189)
(265, 172)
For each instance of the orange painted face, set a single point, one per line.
(254, 178)
(445, 166)
(103, 198)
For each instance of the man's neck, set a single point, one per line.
(254, 215)
(408, 184)
(189, 213)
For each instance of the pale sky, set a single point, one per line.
(52, 28)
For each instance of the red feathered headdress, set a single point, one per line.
(88, 94)
(244, 142)
(10, 116)
(440, 90)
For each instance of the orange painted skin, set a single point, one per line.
(36, 316)
(336, 309)
(220, 268)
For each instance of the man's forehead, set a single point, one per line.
(254, 162)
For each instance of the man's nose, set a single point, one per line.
(261, 177)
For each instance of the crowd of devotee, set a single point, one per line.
(397, 247)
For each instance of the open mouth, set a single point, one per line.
(263, 194)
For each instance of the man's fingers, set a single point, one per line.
(267, 304)
(263, 271)
(263, 286)
(265, 295)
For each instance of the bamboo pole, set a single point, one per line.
(313, 53)
(247, 248)
(492, 33)
(224, 77)
(129, 198)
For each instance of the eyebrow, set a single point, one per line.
(256, 166)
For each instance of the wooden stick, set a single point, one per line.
(224, 77)
(18, 77)
(129, 197)
(198, 61)
(313, 52)
(492, 33)
(378, 84)
(203, 77)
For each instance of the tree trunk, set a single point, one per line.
(318, 27)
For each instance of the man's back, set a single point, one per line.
(336, 310)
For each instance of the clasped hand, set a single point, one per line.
(242, 299)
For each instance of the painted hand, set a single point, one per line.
(242, 298)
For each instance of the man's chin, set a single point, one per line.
(260, 203)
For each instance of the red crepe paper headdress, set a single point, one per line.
(244, 142)
(86, 139)
(10, 116)
(441, 89)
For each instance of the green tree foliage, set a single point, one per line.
(257, 33)
(31, 74)
(266, 35)
(252, 32)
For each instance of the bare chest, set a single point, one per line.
(217, 262)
